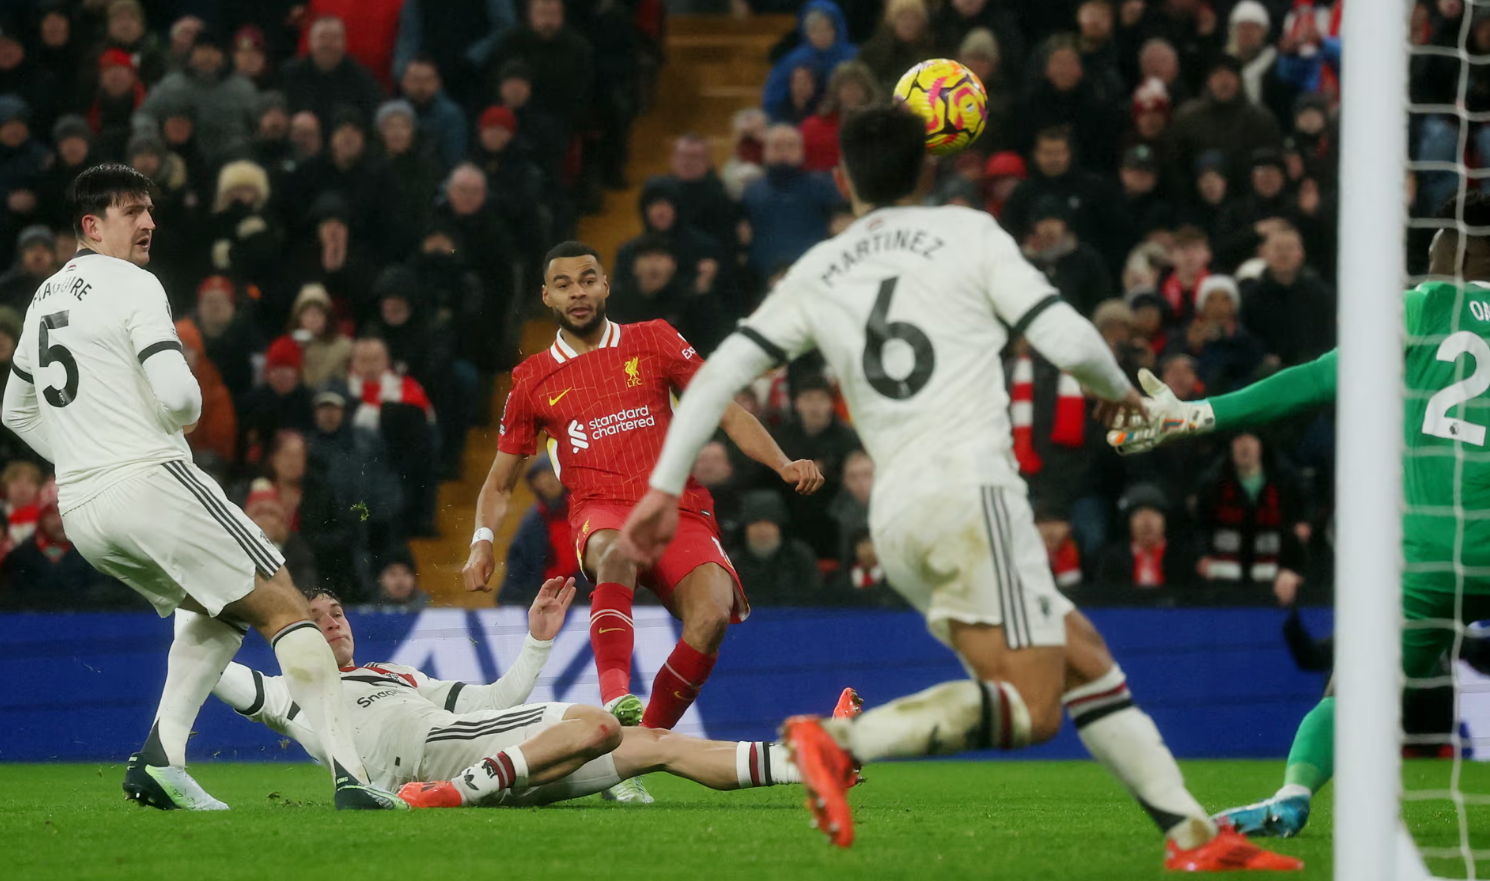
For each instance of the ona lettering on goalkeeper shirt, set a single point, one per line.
(478, 646)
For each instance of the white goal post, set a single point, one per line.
(1370, 841)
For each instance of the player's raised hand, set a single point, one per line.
(546, 615)
(805, 474)
(650, 527)
(1165, 418)
(479, 567)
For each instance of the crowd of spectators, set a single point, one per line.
(1170, 165)
(349, 197)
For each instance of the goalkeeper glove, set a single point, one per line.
(1165, 418)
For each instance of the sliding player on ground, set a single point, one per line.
(911, 307)
(481, 742)
(1447, 373)
(603, 394)
(102, 390)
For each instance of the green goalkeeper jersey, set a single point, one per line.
(1446, 469)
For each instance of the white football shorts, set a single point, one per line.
(169, 533)
(970, 553)
(452, 749)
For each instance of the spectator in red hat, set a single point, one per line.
(265, 508)
(506, 156)
(125, 29)
(281, 402)
(251, 57)
(1152, 112)
(119, 94)
(1001, 176)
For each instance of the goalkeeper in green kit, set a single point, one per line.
(1446, 470)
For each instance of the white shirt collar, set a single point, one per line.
(562, 351)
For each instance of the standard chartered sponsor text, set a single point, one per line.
(622, 420)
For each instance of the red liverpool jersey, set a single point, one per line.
(606, 411)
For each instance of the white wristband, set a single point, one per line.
(483, 534)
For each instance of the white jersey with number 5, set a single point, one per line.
(87, 334)
(911, 306)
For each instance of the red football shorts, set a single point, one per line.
(696, 543)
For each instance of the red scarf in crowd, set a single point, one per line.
(1069, 428)
(1065, 562)
(1238, 518)
(1180, 299)
(1148, 565)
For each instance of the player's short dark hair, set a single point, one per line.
(568, 249)
(884, 151)
(1476, 204)
(100, 187)
(313, 593)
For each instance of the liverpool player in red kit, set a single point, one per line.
(603, 393)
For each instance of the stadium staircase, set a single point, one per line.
(715, 66)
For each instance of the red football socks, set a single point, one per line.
(677, 685)
(612, 636)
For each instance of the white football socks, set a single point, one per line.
(314, 683)
(507, 769)
(1126, 741)
(942, 720)
(199, 653)
(762, 763)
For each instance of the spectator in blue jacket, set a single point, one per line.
(440, 119)
(824, 46)
(789, 208)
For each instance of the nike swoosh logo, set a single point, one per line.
(611, 630)
(556, 398)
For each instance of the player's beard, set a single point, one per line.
(597, 320)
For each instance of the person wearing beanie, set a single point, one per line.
(250, 56)
(440, 118)
(221, 100)
(1206, 192)
(1144, 206)
(1146, 557)
(775, 568)
(414, 171)
(1224, 118)
(282, 401)
(1002, 174)
(227, 333)
(398, 581)
(327, 352)
(36, 260)
(1248, 29)
(119, 94)
(1227, 355)
(244, 235)
(701, 260)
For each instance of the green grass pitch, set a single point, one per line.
(1001, 820)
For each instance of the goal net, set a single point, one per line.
(1413, 819)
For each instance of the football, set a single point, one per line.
(950, 98)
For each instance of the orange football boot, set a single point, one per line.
(827, 773)
(1229, 851)
(442, 794)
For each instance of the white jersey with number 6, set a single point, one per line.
(912, 306)
(87, 334)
